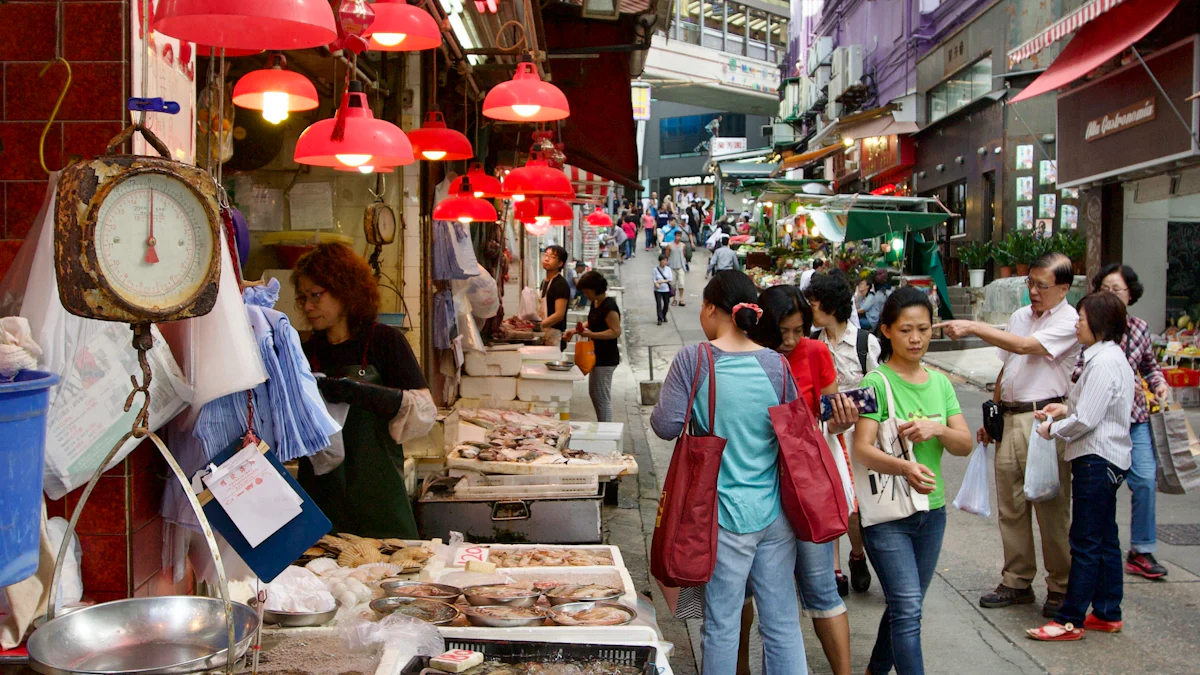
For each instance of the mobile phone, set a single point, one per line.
(864, 398)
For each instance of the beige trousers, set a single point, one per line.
(1016, 516)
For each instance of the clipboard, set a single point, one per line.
(284, 547)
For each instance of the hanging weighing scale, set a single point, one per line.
(379, 225)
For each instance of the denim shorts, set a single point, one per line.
(819, 597)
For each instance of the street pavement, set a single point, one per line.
(1161, 618)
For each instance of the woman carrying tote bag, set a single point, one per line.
(897, 475)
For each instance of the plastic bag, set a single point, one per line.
(840, 459)
(70, 586)
(401, 637)
(1041, 468)
(975, 495)
(481, 293)
(528, 309)
(296, 589)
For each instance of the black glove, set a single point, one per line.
(382, 401)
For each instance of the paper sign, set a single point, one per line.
(257, 499)
(311, 206)
(468, 554)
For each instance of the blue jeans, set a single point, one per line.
(1142, 525)
(904, 554)
(1096, 570)
(814, 576)
(765, 558)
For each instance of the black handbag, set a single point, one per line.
(993, 420)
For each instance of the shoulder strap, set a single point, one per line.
(891, 400)
(861, 347)
(705, 352)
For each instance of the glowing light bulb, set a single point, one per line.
(518, 198)
(788, 228)
(898, 244)
(477, 194)
(541, 220)
(526, 110)
(353, 160)
(433, 155)
(275, 106)
(464, 219)
(389, 39)
(366, 168)
(849, 142)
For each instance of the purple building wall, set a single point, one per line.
(893, 35)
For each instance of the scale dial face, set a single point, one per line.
(153, 241)
(385, 224)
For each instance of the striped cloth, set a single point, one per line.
(1059, 29)
(1100, 403)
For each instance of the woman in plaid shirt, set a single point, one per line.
(1122, 281)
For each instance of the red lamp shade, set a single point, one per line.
(599, 218)
(242, 24)
(366, 141)
(275, 92)
(537, 178)
(477, 183)
(435, 142)
(538, 228)
(465, 210)
(401, 27)
(205, 50)
(526, 98)
(547, 210)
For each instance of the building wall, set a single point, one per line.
(1145, 247)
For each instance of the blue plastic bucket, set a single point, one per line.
(23, 405)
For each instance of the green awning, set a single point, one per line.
(868, 224)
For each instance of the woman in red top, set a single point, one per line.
(785, 326)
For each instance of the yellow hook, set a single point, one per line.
(53, 113)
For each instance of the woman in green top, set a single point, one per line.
(904, 552)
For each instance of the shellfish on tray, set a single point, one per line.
(566, 593)
(592, 614)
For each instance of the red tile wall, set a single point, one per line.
(95, 42)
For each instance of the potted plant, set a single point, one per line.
(1003, 258)
(1074, 246)
(1022, 246)
(975, 256)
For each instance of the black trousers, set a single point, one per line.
(663, 301)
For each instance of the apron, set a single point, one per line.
(365, 495)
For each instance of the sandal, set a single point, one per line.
(1056, 632)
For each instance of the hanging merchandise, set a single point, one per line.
(275, 91)
(401, 27)
(526, 98)
(435, 142)
(365, 141)
(481, 293)
(258, 25)
(213, 114)
(445, 326)
(445, 259)
(464, 249)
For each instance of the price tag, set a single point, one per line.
(457, 655)
(468, 554)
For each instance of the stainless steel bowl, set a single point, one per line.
(439, 613)
(495, 622)
(557, 611)
(395, 589)
(560, 366)
(299, 619)
(556, 601)
(479, 598)
(170, 635)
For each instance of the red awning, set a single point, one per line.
(1098, 41)
(1070, 23)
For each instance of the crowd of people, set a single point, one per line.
(1068, 377)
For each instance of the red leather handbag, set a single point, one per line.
(684, 549)
(810, 487)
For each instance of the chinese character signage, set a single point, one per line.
(641, 101)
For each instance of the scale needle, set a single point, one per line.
(151, 255)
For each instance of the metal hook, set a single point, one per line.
(53, 113)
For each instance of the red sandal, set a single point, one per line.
(1093, 622)
(1056, 632)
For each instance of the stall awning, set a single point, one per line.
(1100, 39)
(746, 169)
(804, 159)
(588, 186)
(880, 126)
(1059, 29)
(868, 224)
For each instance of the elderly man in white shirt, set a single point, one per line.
(1038, 350)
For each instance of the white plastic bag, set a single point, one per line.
(296, 589)
(975, 495)
(484, 295)
(528, 309)
(839, 459)
(1041, 468)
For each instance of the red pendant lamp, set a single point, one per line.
(544, 210)
(275, 91)
(537, 178)
(599, 218)
(401, 27)
(526, 98)
(366, 141)
(248, 24)
(480, 183)
(435, 142)
(205, 50)
(465, 209)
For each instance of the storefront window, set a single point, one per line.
(956, 201)
(963, 87)
(679, 136)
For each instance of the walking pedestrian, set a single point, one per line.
(855, 353)
(904, 552)
(807, 275)
(662, 277)
(1038, 350)
(677, 261)
(603, 328)
(785, 326)
(628, 224)
(1096, 431)
(648, 226)
(723, 258)
(872, 305)
(755, 543)
(1122, 281)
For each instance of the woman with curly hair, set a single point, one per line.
(371, 367)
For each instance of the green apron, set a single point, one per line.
(365, 494)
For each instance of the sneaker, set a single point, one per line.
(1004, 596)
(1093, 622)
(1054, 602)
(843, 584)
(1144, 565)
(860, 574)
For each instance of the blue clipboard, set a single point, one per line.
(284, 547)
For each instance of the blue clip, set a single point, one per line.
(153, 105)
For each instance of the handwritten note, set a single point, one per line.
(311, 206)
(468, 554)
(257, 499)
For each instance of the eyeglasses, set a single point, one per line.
(315, 298)
(1031, 284)
(1116, 290)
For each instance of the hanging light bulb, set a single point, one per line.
(275, 91)
(366, 168)
(435, 142)
(400, 26)
(481, 184)
(537, 178)
(526, 98)
(365, 141)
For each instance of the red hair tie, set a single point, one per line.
(751, 306)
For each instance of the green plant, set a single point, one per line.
(1002, 255)
(1071, 244)
(975, 255)
(1022, 246)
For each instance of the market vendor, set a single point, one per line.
(555, 294)
(371, 367)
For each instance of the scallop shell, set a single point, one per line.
(333, 543)
(321, 565)
(349, 537)
(360, 553)
(380, 570)
(314, 552)
(417, 554)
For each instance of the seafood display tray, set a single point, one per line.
(474, 486)
(607, 575)
(509, 651)
(613, 552)
(624, 465)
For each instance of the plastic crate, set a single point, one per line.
(1182, 377)
(514, 651)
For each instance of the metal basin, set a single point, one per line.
(170, 635)
(478, 617)
(435, 612)
(556, 600)
(562, 610)
(479, 596)
(400, 589)
(298, 619)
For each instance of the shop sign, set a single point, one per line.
(726, 146)
(881, 154)
(689, 181)
(1130, 116)
(641, 101)
(955, 54)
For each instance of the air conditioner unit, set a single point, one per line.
(782, 134)
(833, 108)
(818, 53)
(804, 94)
(851, 165)
(852, 65)
(839, 61)
(821, 80)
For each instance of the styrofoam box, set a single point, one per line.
(613, 551)
(492, 363)
(540, 353)
(550, 409)
(545, 391)
(499, 388)
(598, 431)
(432, 444)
